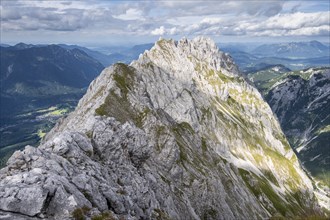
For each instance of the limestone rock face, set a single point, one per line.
(177, 134)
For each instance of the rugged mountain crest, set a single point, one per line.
(178, 134)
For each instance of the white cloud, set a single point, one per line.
(206, 8)
(173, 31)
(212, 20)
(292, 21)
(156, 18)
(310, 31)
(164, 31)
(158, 31)
(295, 24)
(131, 14)
(55, 16)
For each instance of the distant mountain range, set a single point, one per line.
(39, 83)
(104, 59)
(295, 50)
(249, 57)
(295, 55)
(28, 65)
(123, 55)
(267, 76)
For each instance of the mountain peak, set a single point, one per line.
(177, 134)
(200, 52)
(21, 46)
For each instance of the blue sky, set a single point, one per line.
(96, 22)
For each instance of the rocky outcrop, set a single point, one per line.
(177, 134)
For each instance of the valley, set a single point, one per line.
(28, 127)
(39, 84)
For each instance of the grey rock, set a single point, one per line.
(178, 134)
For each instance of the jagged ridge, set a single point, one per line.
(178, 134)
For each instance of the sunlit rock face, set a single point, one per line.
(177, 134)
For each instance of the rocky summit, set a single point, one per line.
(177, 134)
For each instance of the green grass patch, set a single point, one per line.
(124, 76)
(325, 129)
(80, 213)
(186, 126)
(118, 106)
(41, 133)
(103, 216)
(159, 214)
(270, 176)
(262, 187)
(204, 145)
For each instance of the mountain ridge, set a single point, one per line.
(154, 140)
(309, 49)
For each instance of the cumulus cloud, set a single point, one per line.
(295, 24)
(164, 31)
(304, 31)
(173, 31)
(247, 19)
(204, 8)
(158, 31)
(56, 16)
(170, 18)
(8, 14)
(30, 17)
(131, 14)
(292, 21)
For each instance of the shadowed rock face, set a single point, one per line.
(177, 134)
(301, 101)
